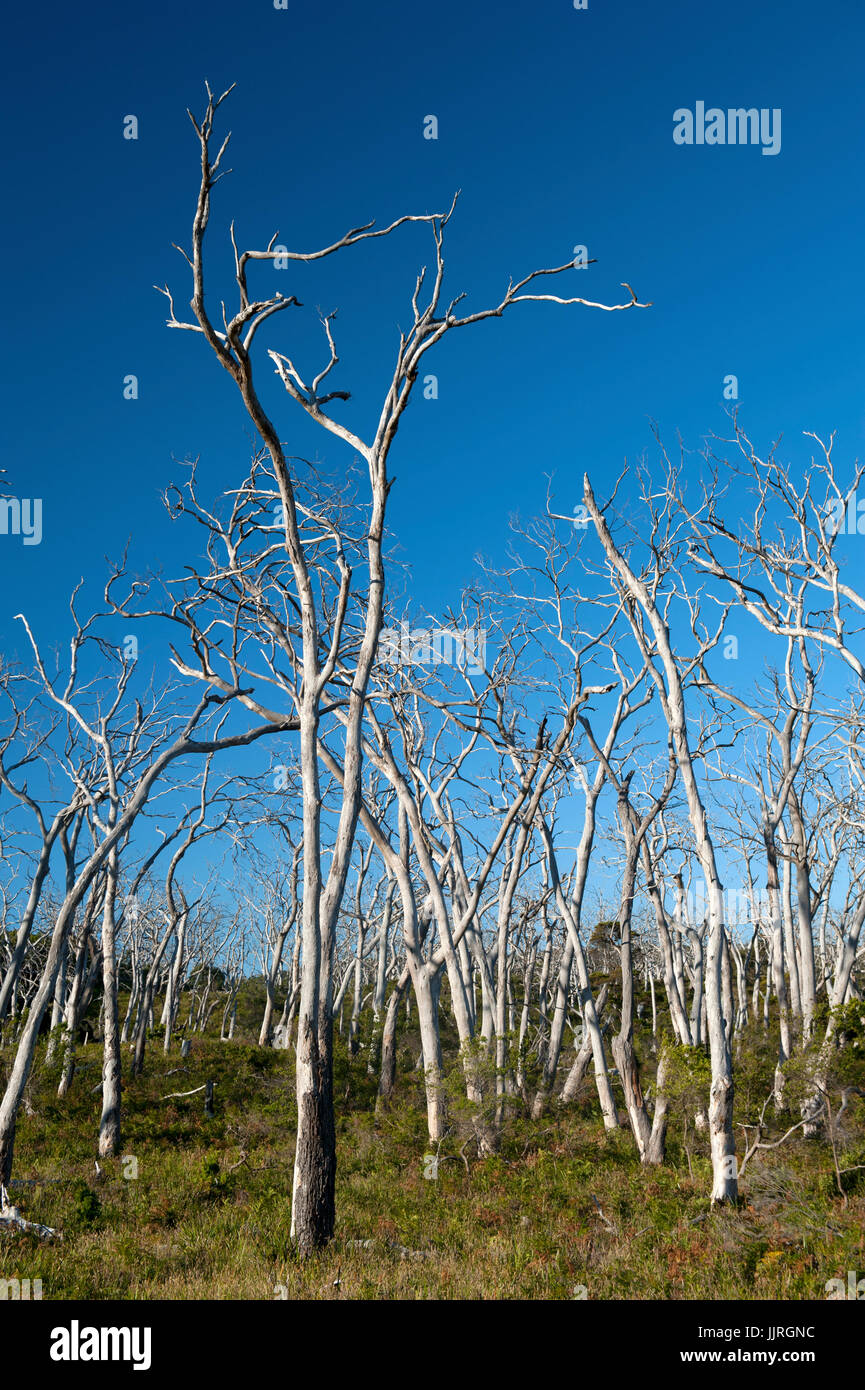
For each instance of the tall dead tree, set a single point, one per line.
(643, 596)
(327, 669)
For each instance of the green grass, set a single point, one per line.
(208, 1214)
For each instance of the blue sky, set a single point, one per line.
(556, 124)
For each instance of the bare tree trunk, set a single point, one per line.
(109, 1125)
(272, 974)
(49, 836)
(313, 1191)
(528, 980)
(656, 1147)
(134, 995)
(584, 1052)
(72, 1014)
(634, 829)
(557, 1031)
(812, 1106)
(387, 1078)
(426, 980)
(808, 974)
(58, 1004)
(755, 993)
(378, 996)
(727, 990)
(674, 982)
(172, 990)
(590, 1016)
(780, 986)
(145, 1010)
(671, 696)
(790, 952)
(357, 992)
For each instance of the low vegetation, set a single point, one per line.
(199, 1207)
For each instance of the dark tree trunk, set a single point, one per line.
(315, 1199)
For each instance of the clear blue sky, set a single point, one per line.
(557, 126)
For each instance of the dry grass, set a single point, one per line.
(208, 1214)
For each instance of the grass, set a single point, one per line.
(562, 1205)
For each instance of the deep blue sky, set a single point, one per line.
(557, 126)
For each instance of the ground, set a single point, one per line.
(563, 1211)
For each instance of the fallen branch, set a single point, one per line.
(774, 1144)
(11, 1219)
(609, 1225)
(176, 1095)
